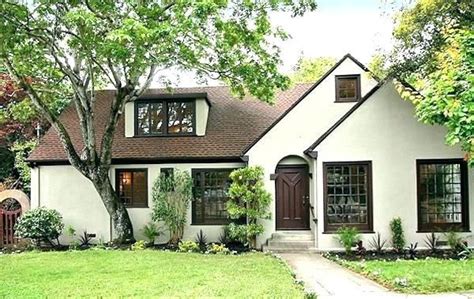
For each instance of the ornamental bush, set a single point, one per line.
(171, 197)
(398, 236)
(248, 199)
(40, 225)
(348, 237)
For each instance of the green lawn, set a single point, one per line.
(422, 276)
(144, 274)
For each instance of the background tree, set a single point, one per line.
(309, 70)
(72, 48)
(434, 51)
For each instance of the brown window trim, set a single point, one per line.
(118, 170)
(194, 220)
(164, 127)
(358, 88)
(331, 229)
(464, 225)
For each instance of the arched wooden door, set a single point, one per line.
(292, 197)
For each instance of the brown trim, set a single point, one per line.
(164, 127)
(347, 56)
(177, 96)
(310, 149)
(203, 221)
(120, 161)
(145, 170)
(330, 229)
(358, 88)
(464, 226)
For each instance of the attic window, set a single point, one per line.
(348, 88)
(164, 117)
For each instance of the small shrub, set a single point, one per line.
(151, 232)
(86, 239)
(454, 240)
(398, 236)
(348, 237)
(412, 250)
(377, 243)
(217, 249)
(224, 236)
(431, 242)
(201, 239)
(40, 225)
(467, 253)
(138, 245)
(71, 233)
(188, 246)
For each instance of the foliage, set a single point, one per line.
(423, 276)
(151, 232)
(377, 243)
(40, 224)
(161, 274)
(217, 249)
(467, 253)
(434, 43)
(171, 197)
(378, 66)
(71, 233)
(311, 69)
(7, 159)
(248, 199)
(22, 149)
(412, 250)
(224, 236)
(85, 239)
(188, 246)
(431, 242)
(201, 239)
(138, 245)
(454, 240)
(398, 236)
(348, 237)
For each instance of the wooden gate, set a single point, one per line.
(8, 220)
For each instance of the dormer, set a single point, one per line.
(167, 115)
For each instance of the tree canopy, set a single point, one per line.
(67, 49)
(434, 50)
(309, 70)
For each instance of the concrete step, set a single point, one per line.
(290, 244)
(266, 248)
(293, 236)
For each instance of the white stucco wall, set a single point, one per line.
(384, 130)
(301, 127)
(202, 112)
(63, 188)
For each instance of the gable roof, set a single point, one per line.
(233, 124)
(335, 66)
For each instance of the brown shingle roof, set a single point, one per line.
(233, 124)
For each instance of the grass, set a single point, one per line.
(419, 276)
(100, 273)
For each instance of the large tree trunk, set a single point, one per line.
(121, 220)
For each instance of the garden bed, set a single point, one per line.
(145, 273)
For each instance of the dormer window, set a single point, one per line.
(165, 117)
(348, 88)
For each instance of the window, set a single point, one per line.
(348, 88)
(132, 187)
(348, 195)
(159, 117)
(210, 196)
(442, 195)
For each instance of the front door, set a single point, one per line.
(292, 198)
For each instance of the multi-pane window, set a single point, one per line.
(348, 195)
(131, 187)
(348, 88)
(210, 196)
(157, 117)
(442, 195)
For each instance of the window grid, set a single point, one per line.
(348, 88)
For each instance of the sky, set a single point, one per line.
(337, 27)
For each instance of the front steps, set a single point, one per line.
(290, 241)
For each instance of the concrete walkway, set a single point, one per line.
(331, 281)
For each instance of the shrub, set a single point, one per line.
(348, 237)
(217, 249)
(138, 245)
(40, 225)
(201, 239)
(86, 239)
(455, 242)
(412, 250)
(151, 232)
(377, 243)
(188, 246)
(171, 197)
(248, 199)
(431, 242)
(398, 237)
(71, 233)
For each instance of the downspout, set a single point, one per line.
(39, 187)
(314, 182)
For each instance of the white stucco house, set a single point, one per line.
(346, 150)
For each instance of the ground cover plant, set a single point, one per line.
(146, 273)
